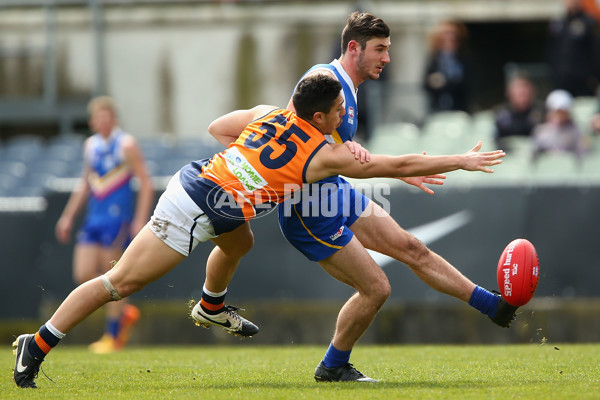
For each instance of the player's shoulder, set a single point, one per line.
(128, 140)
(331, 154)
(321, 69)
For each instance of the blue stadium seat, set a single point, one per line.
(171, 166)
(195, 149)
(23, 148)
(49, 166)
(69, 139)
(17, 169)
(155, 149)
(28, 191)
(8, 181)
(63, 151)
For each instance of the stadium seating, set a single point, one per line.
(556, 168)
(447, 133)
(29, 165)
(398, 138)
(582, 111)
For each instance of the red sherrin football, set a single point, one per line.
(518, 272)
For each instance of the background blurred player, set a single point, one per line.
(111, 159)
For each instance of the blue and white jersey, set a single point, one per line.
(312, 231)
(347, 129)
(111, 194)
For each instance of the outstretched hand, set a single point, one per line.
(473, 160)
(420, 181)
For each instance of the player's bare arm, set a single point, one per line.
(145, 196)
(227, 128)
(337, 159)
(420, 181)
(76, 203)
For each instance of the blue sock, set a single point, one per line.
(334, 357)
(112, 326)
(484, 301)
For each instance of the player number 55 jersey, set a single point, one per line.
(255, 172)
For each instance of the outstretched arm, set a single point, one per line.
(337, 159)
(227, 128)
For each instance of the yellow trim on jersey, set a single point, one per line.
(314, 237)
(336, 137)
(113, 178)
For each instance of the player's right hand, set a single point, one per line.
(63, 230)
(473, 160)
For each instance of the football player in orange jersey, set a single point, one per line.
(179, 223)
(331, 240)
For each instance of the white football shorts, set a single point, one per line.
(178, 221)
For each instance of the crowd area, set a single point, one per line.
(553, 134)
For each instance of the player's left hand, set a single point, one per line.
(420, 181)
(360, 153)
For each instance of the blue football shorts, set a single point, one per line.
(107, 233)
(317, 221)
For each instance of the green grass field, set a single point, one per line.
(534, 371)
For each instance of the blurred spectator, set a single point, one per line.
(574, 51)
(520, 114)
(595, 122)
(558, 134)
(447, 70)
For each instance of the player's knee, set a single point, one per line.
(126, 287)
(246, 245)
(110, 288)
(383, 291)
(241, 247)
(380, 292)
(416, 250)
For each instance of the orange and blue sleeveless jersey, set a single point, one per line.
(254, 173)
(111, 205)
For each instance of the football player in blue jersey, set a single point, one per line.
(113, 214)
(338, 242)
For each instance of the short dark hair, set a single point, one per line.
(362, 27)
(315, 93)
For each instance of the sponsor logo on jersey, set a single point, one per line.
(351, 115)
(243, 170)
(337, 234)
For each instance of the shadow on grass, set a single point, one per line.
(428, 384)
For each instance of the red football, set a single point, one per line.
(518, 272)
